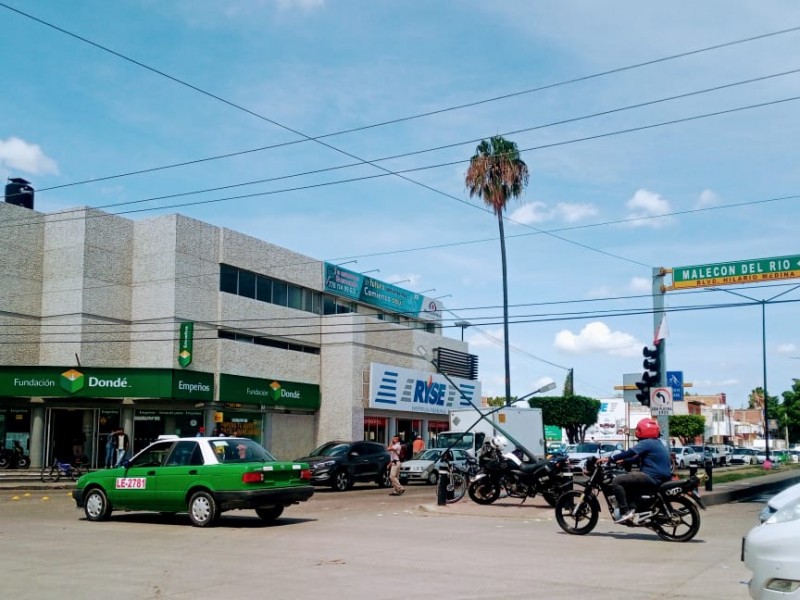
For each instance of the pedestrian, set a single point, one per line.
(122, 443)
(201, 432)
(394, 466)
(109, 462)
(418, 446)
(77, 445)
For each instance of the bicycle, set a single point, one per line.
(458, 479)
(55, 471)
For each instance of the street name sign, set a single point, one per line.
(737, 272)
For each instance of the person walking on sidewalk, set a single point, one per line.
(394, 466)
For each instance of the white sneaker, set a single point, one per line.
(626, 517)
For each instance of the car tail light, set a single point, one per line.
(252, 477)
(305, 474)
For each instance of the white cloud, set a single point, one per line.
(532, 212)
(640, 285)
(707, 198)
(596, 337)
(572, 213)
(787, 348)
(644, 205)
(539, 212)
(17, 154)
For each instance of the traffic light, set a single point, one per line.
(652, 374)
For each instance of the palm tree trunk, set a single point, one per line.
(505, 306)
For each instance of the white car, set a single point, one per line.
(778, 500)
(425, 467)
(743, 456)
(772, 552)
(587, 449)
(685, 455)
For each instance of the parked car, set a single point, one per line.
(341, 464)
(425, 467)
(775, 456)
(771, 552)
(685, 455)
(718, 455)
(202, 476)
(584, 450)
(704, 452)
(743, 456)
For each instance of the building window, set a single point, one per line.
(247, 284)
(228, 279)
(263, 341)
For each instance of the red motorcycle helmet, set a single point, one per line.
(647, 428)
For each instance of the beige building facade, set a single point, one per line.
(169, 325)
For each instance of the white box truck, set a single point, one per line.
(521, 426)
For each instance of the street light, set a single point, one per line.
(545, 388)
(401, 281)
(371, 271)
(426, 291)
(463, 325)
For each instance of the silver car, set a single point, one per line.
(425, 467)
(685, 456)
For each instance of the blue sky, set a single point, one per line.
(582, 241)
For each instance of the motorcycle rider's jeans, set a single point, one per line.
(635, 484)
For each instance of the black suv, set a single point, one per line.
(341, 464)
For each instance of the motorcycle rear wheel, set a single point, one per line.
(483, 491)
(684, 523)
(575, 515)
(551, 496)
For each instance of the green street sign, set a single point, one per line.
(736, 273)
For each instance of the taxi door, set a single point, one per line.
(135, 487)
(180, 470)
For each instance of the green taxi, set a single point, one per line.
(201, 476)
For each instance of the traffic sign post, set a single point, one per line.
(661, 401)
(735, 273)
(675, 381)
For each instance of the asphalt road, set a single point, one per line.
(360, 544)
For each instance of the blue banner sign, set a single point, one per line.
(373, 292)
(395, 388)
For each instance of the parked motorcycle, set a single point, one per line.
(14, 458)
(505, 473)
(671, 509)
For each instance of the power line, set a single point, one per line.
(373, 125)
(399, 174)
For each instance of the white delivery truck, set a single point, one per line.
(520, 426)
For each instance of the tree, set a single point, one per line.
(789, 413)
(687, 427)
(569, 386)
(575, 414)
(496, 174)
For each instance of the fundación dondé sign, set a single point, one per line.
(737, 272)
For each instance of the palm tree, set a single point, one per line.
(496, 174)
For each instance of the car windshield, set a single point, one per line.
(331, 449)
(447, 440)
(588, 447)
(432, 454)
(239, 450)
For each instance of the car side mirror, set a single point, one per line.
(126, 463)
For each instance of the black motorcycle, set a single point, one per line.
(14, 458)
(506, 474)
(671, 509)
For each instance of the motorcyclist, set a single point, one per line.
(654, 463)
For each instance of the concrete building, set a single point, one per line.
(169, 325)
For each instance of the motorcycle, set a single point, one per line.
(671, 509)
(501, 473)
(14, 458)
